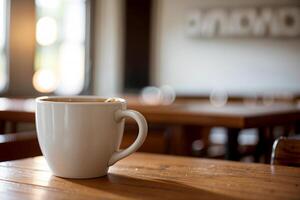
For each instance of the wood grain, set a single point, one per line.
(150, 176)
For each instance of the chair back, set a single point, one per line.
(286, 151)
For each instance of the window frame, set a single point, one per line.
(6, 46)
(88, 69)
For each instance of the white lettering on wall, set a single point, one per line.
(243, 22)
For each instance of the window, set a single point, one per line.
(3, 44)
(61, 38)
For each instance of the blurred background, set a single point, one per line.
(161, 53)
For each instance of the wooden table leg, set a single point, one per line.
(297, 127)
(191, 133)
(2, 127)
(176, 141)
(194, 134)
(13, 127)
(232, 145)
(269, 139)
(260, 147)
(180, 139)
(205, 132)
(168, 140)
(264, 145)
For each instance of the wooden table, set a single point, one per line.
(190, 115)
(150, 176)
(202, 113)
(193, 117)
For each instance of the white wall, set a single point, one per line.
(108, 47)
(239, 66)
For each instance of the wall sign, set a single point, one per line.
(244, 22)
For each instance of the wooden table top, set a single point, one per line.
(232, 115)
(150, 176)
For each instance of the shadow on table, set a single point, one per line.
(128, 187)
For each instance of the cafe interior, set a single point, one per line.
(218, 83)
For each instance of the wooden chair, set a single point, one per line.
(286, 151)
(19, 145)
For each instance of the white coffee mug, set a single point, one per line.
(80, 136)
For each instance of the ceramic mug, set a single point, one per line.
(80, 136)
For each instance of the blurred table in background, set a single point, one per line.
(188, 120)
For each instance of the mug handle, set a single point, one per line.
(143, 129)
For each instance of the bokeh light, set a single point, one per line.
(46, 31)
(164, 95)
(218, 97)
(168, 94)
(268, 99)
(4, 103)
(151, 95)
(44, 81)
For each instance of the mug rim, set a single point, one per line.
(47, 99)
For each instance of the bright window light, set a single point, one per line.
(60, 53)
(53, 4)
(71, 68)
(3, 43)
(2, 23)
